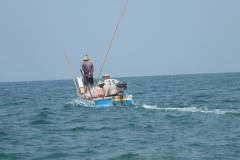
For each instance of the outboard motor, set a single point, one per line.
(120, 86)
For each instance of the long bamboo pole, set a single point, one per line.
(112, 39)
(70, 69)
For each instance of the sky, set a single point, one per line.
(154, 37)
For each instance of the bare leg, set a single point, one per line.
(85, 88)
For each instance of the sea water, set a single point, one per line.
(179, 117)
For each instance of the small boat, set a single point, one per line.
(122, 99)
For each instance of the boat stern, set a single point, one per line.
(100, 102)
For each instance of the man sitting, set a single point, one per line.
(110, 86)
(96, 92)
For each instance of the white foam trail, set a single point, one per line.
(74, 102)
(150, 107)
(193, 109)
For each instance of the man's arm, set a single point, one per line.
(104, 91)
(106, 87)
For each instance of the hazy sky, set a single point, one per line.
(155, 37)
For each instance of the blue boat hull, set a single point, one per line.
(107, 101)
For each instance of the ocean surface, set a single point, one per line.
(179, 117)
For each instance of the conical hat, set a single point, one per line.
(85, 58)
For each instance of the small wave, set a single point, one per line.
(92, 129)
(193, 109)
(128, 156)
(56, 155)
(74, 102)
(82, 128)
(41, 122)
(3, 133)
(43, 114)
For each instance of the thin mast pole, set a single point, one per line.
(70, 70)
(112, 39)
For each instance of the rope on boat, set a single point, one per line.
(112, 39)
(69, 66)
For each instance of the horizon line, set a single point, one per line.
(124, 77)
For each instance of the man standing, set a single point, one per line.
(88, 69)
(110, 84)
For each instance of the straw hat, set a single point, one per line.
(100, 83)
(85, 58)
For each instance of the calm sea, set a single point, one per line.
(179, 117)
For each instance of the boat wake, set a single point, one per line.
(74, 102)
(194, 109)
